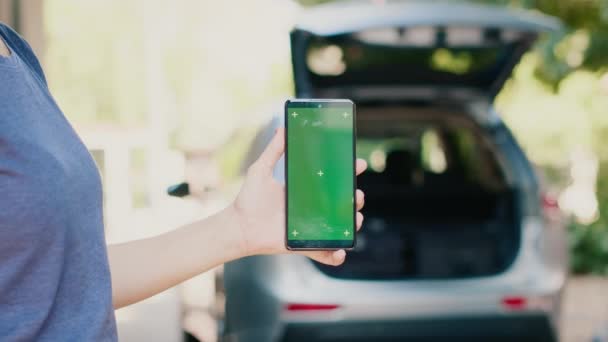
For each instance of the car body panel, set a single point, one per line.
(473, 328)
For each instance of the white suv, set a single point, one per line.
(454, 244)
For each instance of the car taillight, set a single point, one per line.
(549, 202)
(310, 307)
(550, 207)
(514, 303)
(535, 303)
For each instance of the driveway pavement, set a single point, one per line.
(585, 309)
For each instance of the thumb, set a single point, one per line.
(273, 151)
(332, 258)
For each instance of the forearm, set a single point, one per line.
(253, 224)
(143, 268)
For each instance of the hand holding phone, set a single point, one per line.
(320, 174)
(259, 209)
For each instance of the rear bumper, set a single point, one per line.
(494, 328)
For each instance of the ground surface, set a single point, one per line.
(585, 308)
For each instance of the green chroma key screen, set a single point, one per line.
(320, 173)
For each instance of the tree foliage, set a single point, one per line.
(581, 45)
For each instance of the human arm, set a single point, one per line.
(4, 51)
(253, 224)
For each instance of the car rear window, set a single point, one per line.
(428, 152)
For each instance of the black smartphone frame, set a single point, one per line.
(320, 245)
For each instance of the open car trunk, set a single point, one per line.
(410, 50)
(436, 201)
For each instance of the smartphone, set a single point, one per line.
(320, 174)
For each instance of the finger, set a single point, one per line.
(359, 220)
(360, 199)
(361, 165)
(332, 258)
(273, 151)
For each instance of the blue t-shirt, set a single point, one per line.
(54, 274)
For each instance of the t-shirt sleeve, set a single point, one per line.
(23, 49)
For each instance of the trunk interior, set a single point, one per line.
(436, 201)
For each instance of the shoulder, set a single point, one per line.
(23, 49)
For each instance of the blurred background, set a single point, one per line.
(167, 90)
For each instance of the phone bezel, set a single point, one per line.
(320, 245)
